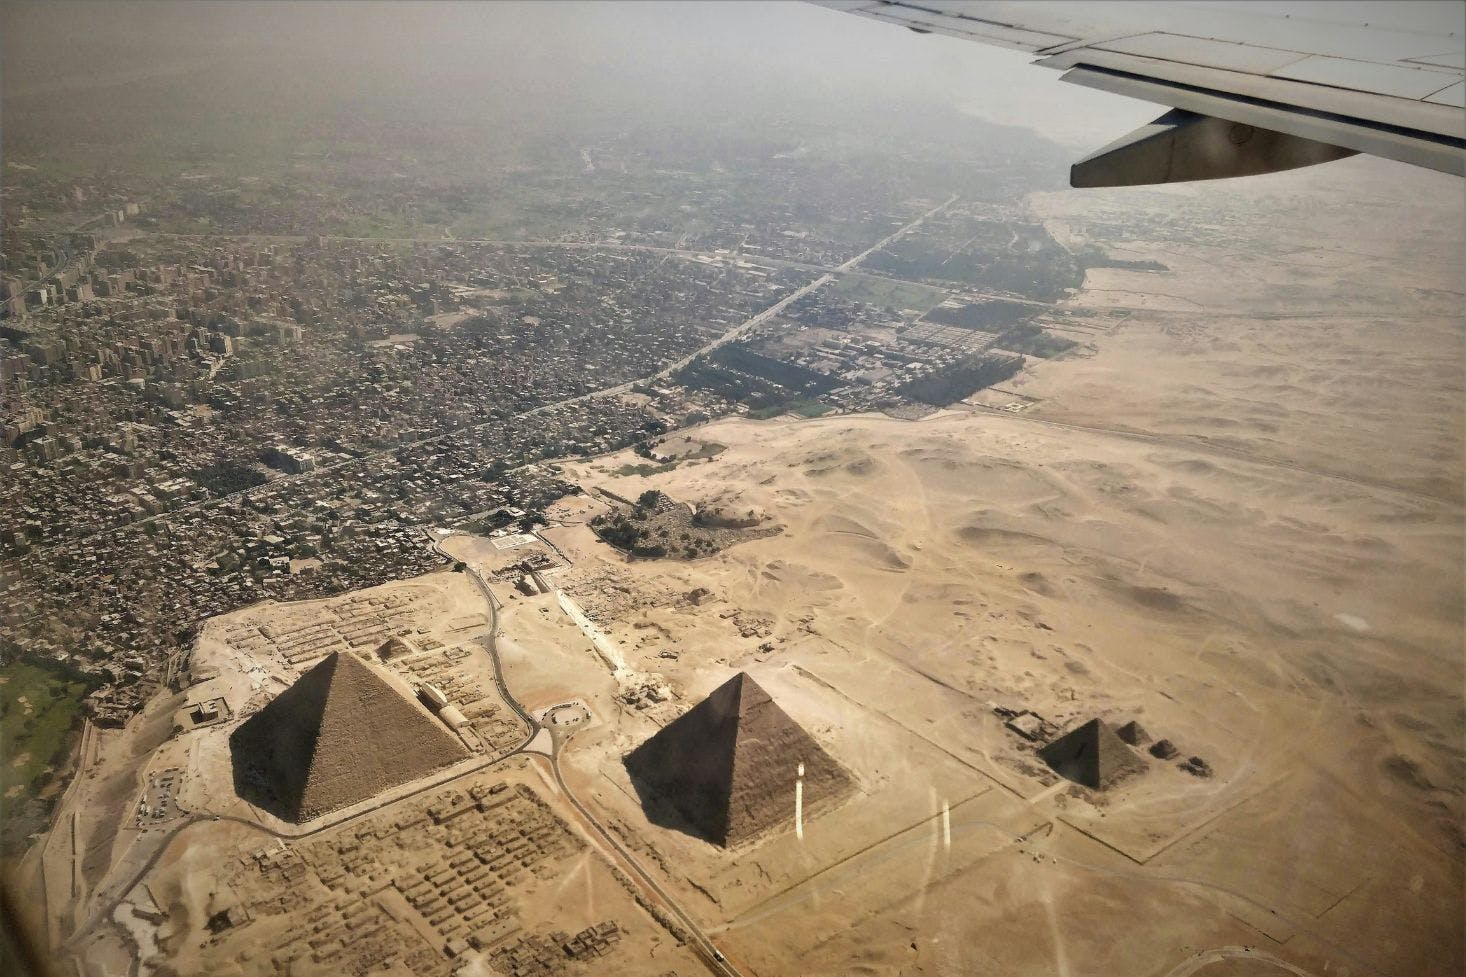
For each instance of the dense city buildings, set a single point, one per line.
(221, 418)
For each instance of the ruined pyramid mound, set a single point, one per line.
(1133, 733)
(729, 765)
(1092, 755)
(345, 731)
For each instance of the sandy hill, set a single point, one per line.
(729, 765)
(346, 730)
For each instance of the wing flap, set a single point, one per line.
(1394, 80)
(1454, 96)
(1226, 55)
(1388, 110)
(966, 28)
(1410, 146)
(1392, 86)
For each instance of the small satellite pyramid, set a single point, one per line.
(730, 764)
(1091, 755)
(1133, 733)
(345, 731)
(396, 647)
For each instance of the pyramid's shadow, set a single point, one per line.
(251, 782)
(662, 810)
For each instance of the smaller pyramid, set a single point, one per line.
(1133, 733)
(345, 731)
(1164, 750)
(396, 647)
(731, 763)
(1091, 755)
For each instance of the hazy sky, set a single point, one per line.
(632, 50)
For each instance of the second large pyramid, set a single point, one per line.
(731, 764)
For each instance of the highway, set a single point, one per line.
(700, 941)
(620, 388)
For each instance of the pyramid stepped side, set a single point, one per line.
(344, 732)
(1133, 733)
(689, 762)
(374, 736)
(1091, 755)
(771, 747)
(396, 647)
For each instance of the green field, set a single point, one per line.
(886, 294)
(644, 469)
(804, 408)
(38, 708)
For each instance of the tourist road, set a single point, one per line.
(700, 942)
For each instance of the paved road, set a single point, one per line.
(491, 643)
(703, 945)
(621, 388)
(700, 941)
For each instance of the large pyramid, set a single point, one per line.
(1091, 755)
(729, 765)
(345, 731)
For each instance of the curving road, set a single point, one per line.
(700, 941)
(1208, 957)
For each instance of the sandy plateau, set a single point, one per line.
(1233, 515)
(1238, 521)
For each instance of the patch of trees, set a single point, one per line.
(1098, 259)
(962, 380)
(1019, 258)
(994, 316)
(1032, 340)
(764, 396)
(790, 376)
(227, 477)
(703, 374)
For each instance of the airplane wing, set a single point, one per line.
(1252, 87)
